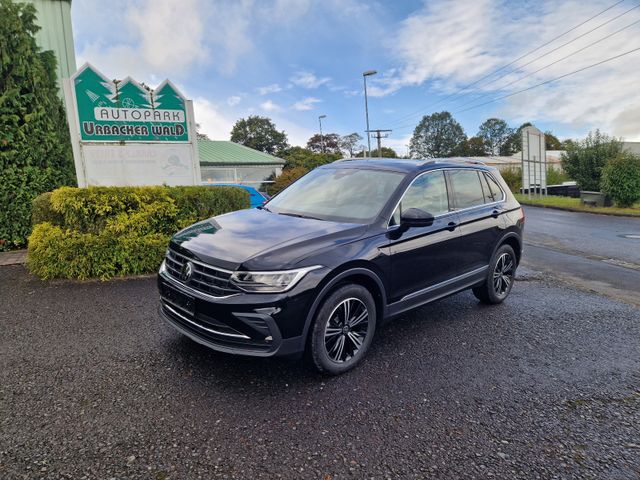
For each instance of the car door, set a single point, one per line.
(478, 201)
(423, 257)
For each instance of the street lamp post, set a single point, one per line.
(321, 137)
(366, 108)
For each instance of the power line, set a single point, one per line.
(555, 50)
(550, 81)
(508, 64)
(537, 85)
(552, 63)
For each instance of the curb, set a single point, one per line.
(576, 210)
(16, 257)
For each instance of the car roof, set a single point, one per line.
(407, 165)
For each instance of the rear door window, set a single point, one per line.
(467, 189)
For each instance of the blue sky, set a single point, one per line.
(293, 60)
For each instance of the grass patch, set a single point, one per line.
(574, 205)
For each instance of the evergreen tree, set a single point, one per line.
(93, 90)
(167, 98)
(35, 150)
(132, 95)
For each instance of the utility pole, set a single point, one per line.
(366, 107)
(379, 136)
(321, 137)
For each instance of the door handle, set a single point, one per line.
(451, 226)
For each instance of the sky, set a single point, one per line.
(293, 60)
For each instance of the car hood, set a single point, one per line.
(261, 240)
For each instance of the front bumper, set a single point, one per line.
(261, 325)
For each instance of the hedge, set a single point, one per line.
(104, 232)
(621, 179)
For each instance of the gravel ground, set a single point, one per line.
(93, 385)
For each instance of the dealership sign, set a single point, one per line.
(125, 133)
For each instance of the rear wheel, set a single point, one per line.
(343, 329)
(500, 277)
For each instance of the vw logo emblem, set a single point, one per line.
(186, 272)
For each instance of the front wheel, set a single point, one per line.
(500, 277)
(343, 329)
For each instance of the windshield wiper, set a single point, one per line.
(297, 215)
(262, 207)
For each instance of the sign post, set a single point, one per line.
(534, 162)
(124, 133)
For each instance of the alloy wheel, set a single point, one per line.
(503, 274)
(346, 330)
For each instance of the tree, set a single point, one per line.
(259, 133)
(327, 143)
(303, 157)
(514, 142)
(351, 143)
(584, 160)
(200, 135)
(286, 178)
(472, 147)
(495, 134)
(385, 152)
(551, 142)
(437, 135)
(35, 149)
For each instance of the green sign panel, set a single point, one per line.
(114, 111)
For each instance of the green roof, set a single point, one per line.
(221, 152)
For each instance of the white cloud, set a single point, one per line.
(164, 37)
(270, 106)
(212, 122)
(306, 103)
(267, 89)
(446, 47)
(234, 100)
(308, 80)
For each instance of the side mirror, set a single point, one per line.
(414, 217)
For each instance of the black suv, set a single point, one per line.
(350, 244)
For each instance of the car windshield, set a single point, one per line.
(338, 194)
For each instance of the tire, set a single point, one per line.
(500, 277)
(329, 329)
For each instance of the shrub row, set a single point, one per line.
(105, 232)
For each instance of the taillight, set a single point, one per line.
(522, 217)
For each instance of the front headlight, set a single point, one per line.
(270, 282)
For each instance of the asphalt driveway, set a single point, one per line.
(92, 385)
(597, 252)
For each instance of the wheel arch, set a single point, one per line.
(361, 274)
(514, 241)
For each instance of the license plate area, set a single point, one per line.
(177, 299)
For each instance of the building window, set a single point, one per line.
(250, 175)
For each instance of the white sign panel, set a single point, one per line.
(534, 160)
(138, 164)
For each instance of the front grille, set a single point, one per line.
(204, 278)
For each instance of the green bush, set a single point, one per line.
(556, 176)
(583, 161)
(18, 188)
(621, 179)
(513, 177)
(105, 232)
(286, 178)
